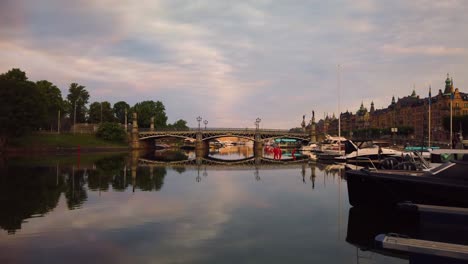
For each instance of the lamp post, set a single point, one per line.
(125, 122)
(199, 119)
(257, 123)
(206, 123)
(394, 131)
(74, 115)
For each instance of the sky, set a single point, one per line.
(233, 61)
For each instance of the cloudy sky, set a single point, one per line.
(234, 61)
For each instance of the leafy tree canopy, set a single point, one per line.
(119, 111)
(20, 105)
(111, 132)
(98, 110)
(52, 99)
(180, 125)
(148, 109)
(77, 96)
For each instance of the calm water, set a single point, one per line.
(105, 209)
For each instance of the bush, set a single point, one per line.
(111, 132)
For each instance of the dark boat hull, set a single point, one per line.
(374, 189)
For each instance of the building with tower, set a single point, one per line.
(409, 114)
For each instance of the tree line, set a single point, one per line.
(31, 106)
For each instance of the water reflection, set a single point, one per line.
(117, 209)
(30, 191)
(364, 224)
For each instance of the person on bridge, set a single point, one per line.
(280, 154)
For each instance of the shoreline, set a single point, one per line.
(60, 150)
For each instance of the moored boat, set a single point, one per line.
(446, 185)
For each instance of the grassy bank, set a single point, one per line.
(67, 159)
(54, 141)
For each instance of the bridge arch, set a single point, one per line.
(167, 136)
(228, 135)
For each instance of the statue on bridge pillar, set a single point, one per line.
(152, 124)
(303, 124)
(313, 137)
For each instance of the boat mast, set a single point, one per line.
(339, 109)
(429, 125)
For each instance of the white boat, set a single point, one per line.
(333, 144)
(309, 147)
(330, 145)
(374, 153)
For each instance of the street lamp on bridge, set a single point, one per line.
(206, 123)
(257, 123)
(199, 119)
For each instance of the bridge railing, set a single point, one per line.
(213, 129)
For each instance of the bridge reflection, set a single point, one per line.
(75, 178)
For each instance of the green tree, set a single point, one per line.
(15, 74)
(24, 196)
(52, 98)
(180, 125)
(77, 97)
(160, 117)
(148, 109)
(20, 104)
(119, 111)
(111, 132)
(98, 110)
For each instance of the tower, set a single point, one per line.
(448, 85)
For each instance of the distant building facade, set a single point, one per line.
(408, 114)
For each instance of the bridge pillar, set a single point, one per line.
(134, 166)
(201, 147)
(258, 146)
(135, 142)
(312, 175)
(152, 124)
(313, 135)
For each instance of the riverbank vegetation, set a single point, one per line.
(65, 141)
(27, 106)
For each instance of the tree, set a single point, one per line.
(77, 97)
(98, 110)
(111, 132)
(160, 117)
(52, 98)
(148, 109)
(15, 74)
(180, 125)
(119, 111)
(20, 105)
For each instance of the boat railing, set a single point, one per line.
(370, 162)
(423, 162)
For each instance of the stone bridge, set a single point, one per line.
(140, 138)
